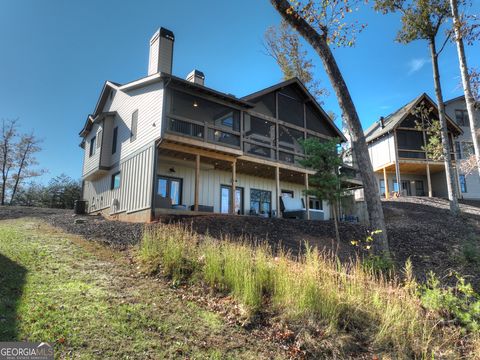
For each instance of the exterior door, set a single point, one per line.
(419, 189)
(406, 187)
(260, 202)
(226, 200)
(168, 187)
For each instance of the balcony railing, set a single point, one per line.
(186, 128)
(252, 144)
(416, 154)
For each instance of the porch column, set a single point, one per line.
(385, 181)
(429, 181)
(277, 187)
(234, 183)
(197, 181)
(307, 204)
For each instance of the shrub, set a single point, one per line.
(459, 303)
(471, 252)
(171, 247)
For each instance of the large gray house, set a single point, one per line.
(166, 144)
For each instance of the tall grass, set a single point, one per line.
(386, 314)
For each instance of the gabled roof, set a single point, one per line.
(107, 87)
(302, 87)
(393, 120)
(91, 120)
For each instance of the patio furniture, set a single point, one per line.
(202, 208)
(293, 208)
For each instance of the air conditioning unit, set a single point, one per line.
(115, 205)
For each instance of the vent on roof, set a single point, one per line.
(382, 122)
(196, 77)
(161, 52)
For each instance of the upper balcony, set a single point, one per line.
(272, 130)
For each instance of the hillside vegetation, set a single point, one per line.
(335, 309)
(91, 303)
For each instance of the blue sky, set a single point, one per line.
(56, 54)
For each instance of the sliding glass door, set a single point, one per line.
(260, 202)
(169, 187)
(226, 199)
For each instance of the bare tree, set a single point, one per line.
(283, 44)
(27, 147)
(461, 31)
(7, 153)
(422, 20)
(321, 23)
(17, 156)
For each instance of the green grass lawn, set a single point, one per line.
(91, 302)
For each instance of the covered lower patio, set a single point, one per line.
(193, 179)
(413, 178)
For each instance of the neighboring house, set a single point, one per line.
(469, 183)
(165, 144)
(395, 147)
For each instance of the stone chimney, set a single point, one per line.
(161, 52)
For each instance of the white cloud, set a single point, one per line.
(415, 65)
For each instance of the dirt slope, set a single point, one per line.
(419, 228)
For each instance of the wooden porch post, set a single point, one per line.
(307, 204)
(385, 180)
(197, 181)
(234, 183)
(277, 187)
(429, 181)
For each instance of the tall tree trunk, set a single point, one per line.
(335, 220)
(349, 113)
(449, 173)
(467, 88)
(4, 175)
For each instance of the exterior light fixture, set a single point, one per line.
(172, 170)
(195, 104)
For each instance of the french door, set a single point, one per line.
(226, 199)
(169, 187)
